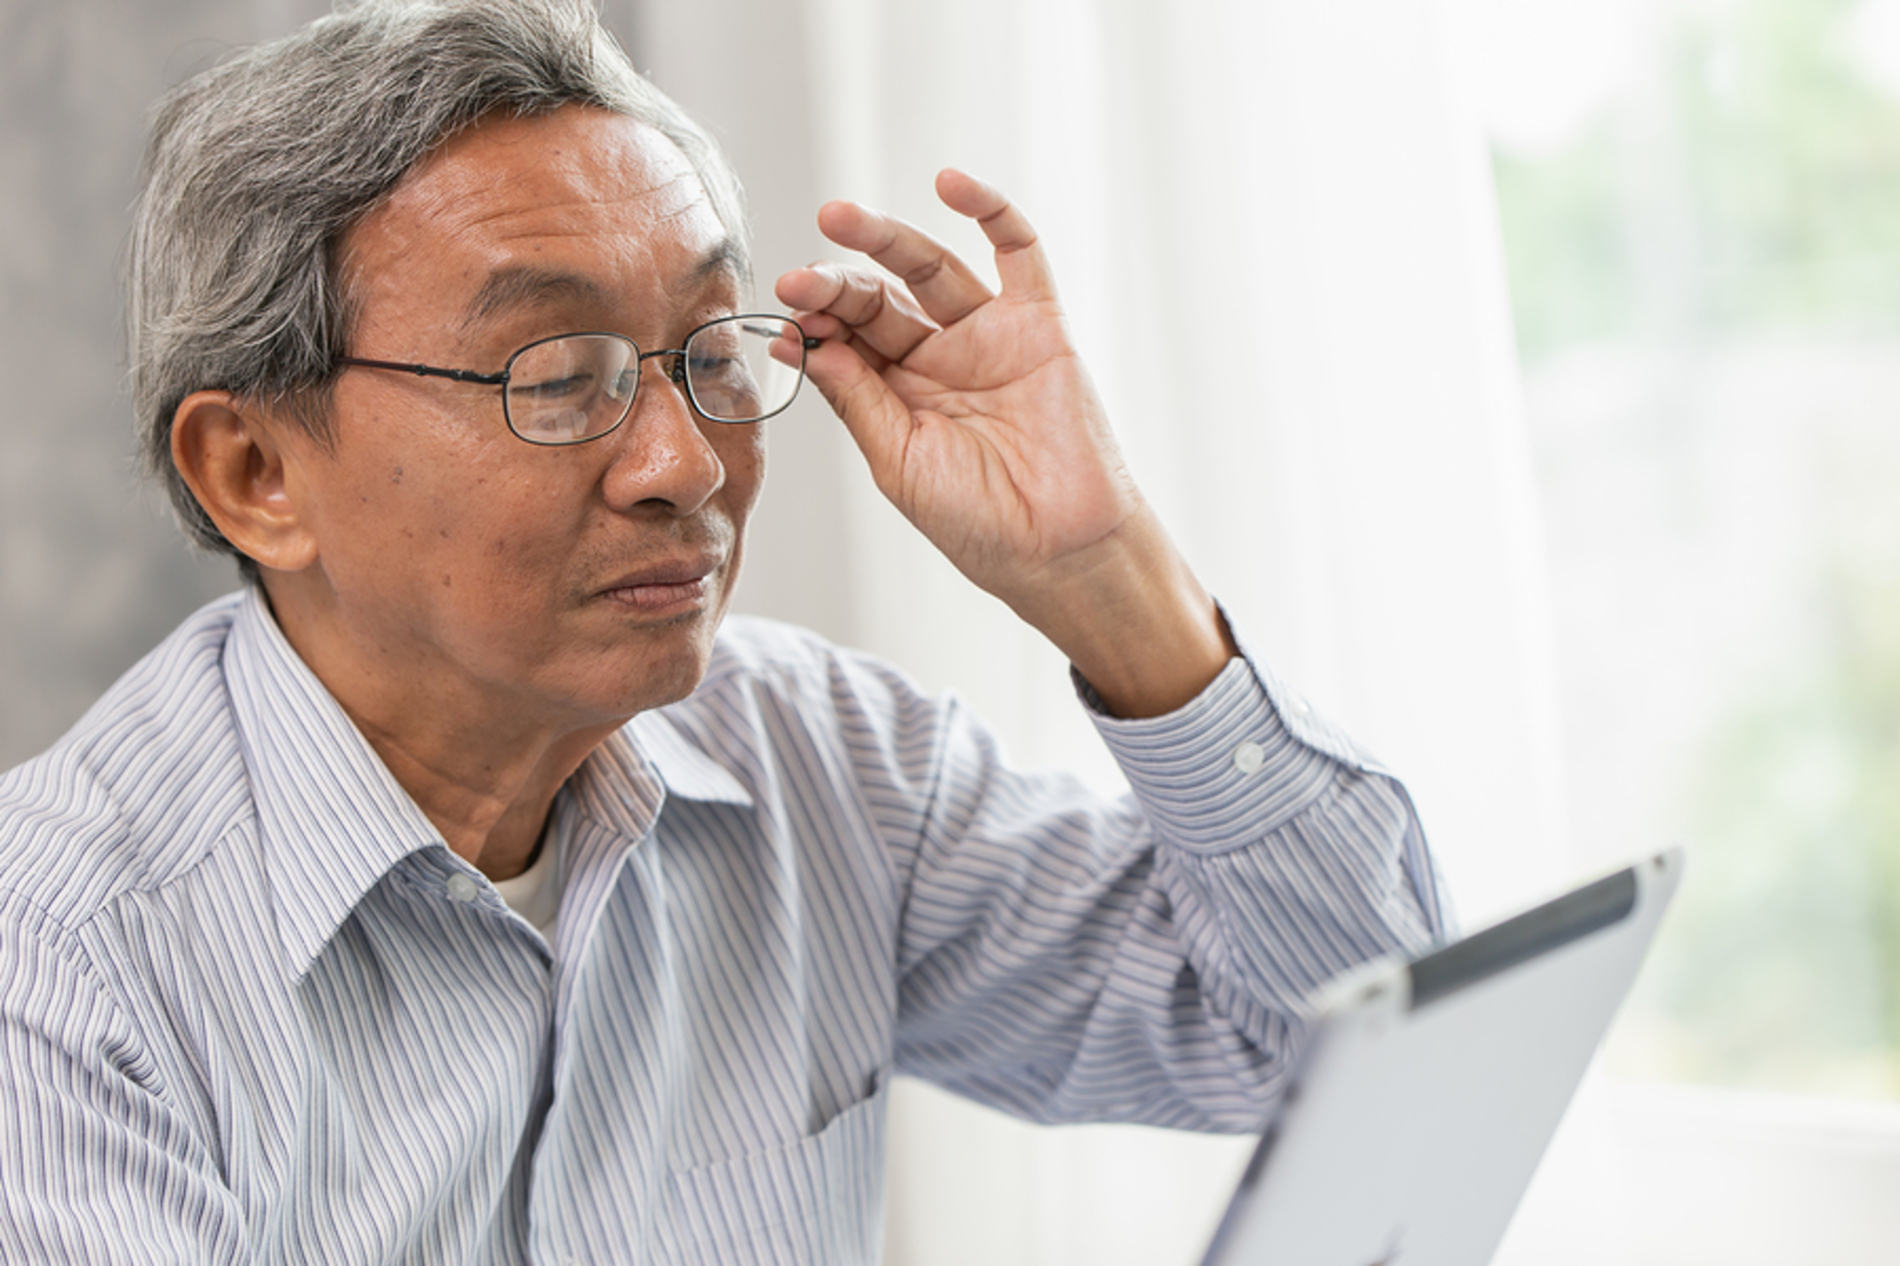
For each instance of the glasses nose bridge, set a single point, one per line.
(675, 370)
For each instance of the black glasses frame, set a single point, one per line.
(676, 375)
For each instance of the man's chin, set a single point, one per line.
(670, 661)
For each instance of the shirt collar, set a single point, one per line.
(687, 771)
(332, 819)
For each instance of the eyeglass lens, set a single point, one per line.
(578, 386)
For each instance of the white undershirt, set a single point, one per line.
(535, 894)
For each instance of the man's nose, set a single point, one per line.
(663, 456)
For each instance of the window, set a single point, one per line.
(1705, 272)
(1700, 202)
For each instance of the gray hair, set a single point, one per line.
(257, 168)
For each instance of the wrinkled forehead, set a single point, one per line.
(579, 190)
(575, 153)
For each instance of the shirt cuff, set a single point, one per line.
(1241, 759)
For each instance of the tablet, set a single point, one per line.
(1429, 1089)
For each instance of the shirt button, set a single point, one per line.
(462, 888)
(1249, 757)
(1299, 706)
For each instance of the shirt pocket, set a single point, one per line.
(816, 1202)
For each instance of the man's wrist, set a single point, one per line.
(1136, 624)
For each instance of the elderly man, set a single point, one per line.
(465, 889)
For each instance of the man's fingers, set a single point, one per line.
(1020, 262)
(878, 421)
(883, 321)
(942, 283)
(874, 312)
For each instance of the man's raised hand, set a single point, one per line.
(971, 407)
(981, 425)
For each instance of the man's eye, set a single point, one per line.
(713, 366)
(554, 388)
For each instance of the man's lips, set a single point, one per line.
(664, 586)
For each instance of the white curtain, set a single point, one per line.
(1273, 225)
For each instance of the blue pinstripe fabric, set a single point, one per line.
(245, 1017)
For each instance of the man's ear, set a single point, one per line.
(234, 457)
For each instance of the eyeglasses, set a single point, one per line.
(577, 387)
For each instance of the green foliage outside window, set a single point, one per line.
(1751, 183)
(1746, 193)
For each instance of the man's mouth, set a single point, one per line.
(665, 588)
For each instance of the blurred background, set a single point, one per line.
(1522, 374)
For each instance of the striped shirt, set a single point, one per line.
(253, 1010)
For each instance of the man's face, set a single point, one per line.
(571, 585)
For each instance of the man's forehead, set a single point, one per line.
(575, 149)
(530, 203)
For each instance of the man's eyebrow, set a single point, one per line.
(726, 256)
(521, 286)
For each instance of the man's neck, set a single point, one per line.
(492, 816)
(484, 773)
